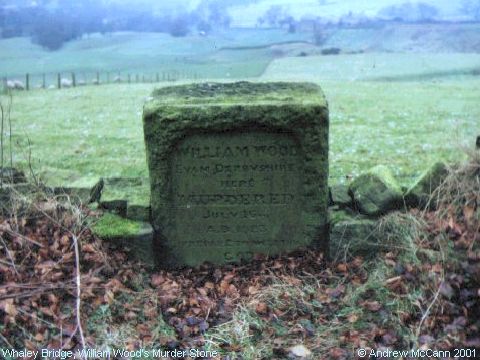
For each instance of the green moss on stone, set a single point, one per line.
(113, 226)
(134, 236)
(135, 191)
(419, 193)
(337, 215)
(353, 238)
(340, 195)
(297, 109)
(127, 196)
(236, 94)
(377, 192)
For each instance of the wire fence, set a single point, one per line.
(63, 80)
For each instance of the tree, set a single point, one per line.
(427, 12)
(290, 23)
(471, 8)
(273, 15)
(410, 12)
(320, 34)
(179, 27)
(218, 15)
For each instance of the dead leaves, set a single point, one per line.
(373, 306)
(192, 301)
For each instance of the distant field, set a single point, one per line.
(378, 67)
(246, 53)
(146, 53)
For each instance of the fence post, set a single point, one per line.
(59, 80)
(98, 78)
(157, 77)
(27, 82)
(129, 78)
(5, 87)
(44, 82)
(136, 78)
(74, 80)
(108, 77)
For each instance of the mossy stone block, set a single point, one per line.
(420, 192)
(340, 196)
(135, 236)
(128, 197)
(236, 169)
(376, 192)
(9, 175)
(138, 212)
(353, 237)
(10, 194)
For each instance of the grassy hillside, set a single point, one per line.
(404, 37)
(235, 53)
(238, 53)
(377, 66)
(147, 53)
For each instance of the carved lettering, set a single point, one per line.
(238, 192)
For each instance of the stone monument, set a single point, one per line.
(236, 169)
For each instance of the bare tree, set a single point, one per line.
(5, 120)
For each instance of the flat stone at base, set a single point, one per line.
(10, 175)
(352, 238)
(76, 195)
(138, 212)
(135, 236)
(128, 197)
(118, 207)
(10, 192)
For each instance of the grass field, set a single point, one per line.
(89, 132)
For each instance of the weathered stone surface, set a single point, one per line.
(12, 175)
(10, 193)
(340, 195)
(420, 192)
(128, 197)
(75, 195)
(236, 169)
(376, 192)
(118, 207)
(135, 236)
(138, 212)
(77, 192)
(352, 238)
(337, 214)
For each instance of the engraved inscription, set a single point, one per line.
(234, 195)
